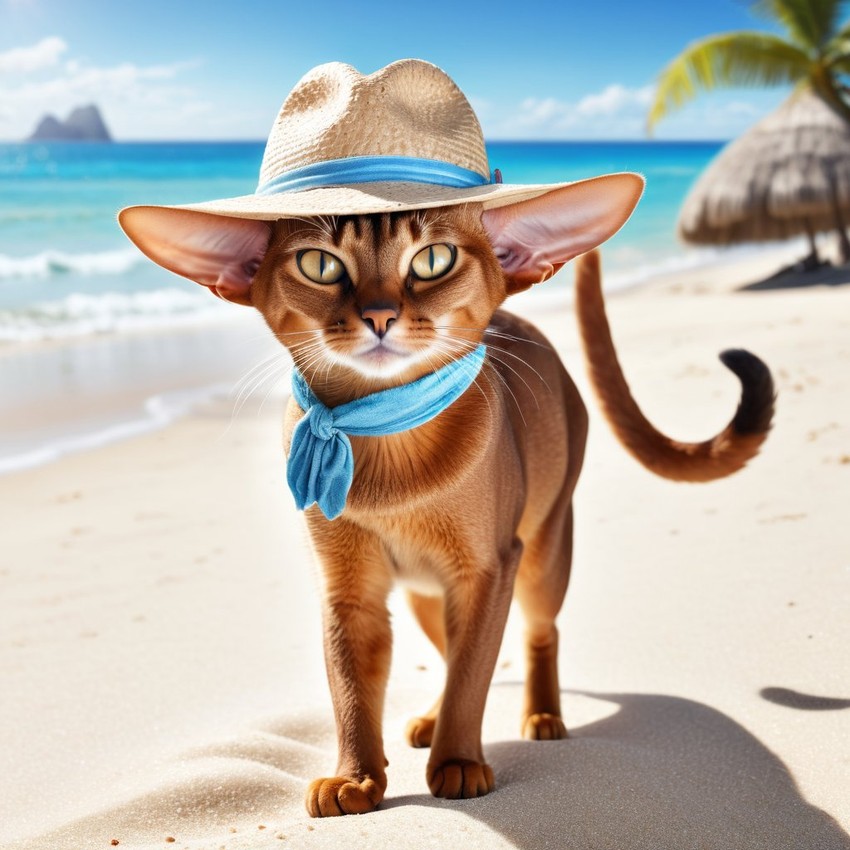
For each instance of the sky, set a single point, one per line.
(169, 69)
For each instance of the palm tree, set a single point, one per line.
(815, 53)
(815, 56)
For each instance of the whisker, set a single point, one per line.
(444, 348)
(251, 374)
(271, 370)
(500, 377)
(494, 332)
(493, 347)
(501, 361)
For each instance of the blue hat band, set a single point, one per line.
(372, 169)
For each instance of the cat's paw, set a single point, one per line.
(420, 731)
(544, 727)
(460, 779)
(339, 795)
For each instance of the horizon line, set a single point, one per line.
(165, 141)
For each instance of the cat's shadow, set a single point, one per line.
(662, 772)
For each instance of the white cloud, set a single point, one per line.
(614, 112)
(137, 101)
(534, 111)
(615, 99)
(25, 60)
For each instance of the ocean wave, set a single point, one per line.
(52, 262)
(112, 312)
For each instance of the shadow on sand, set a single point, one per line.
(796, 277)
(806, 702)
(662, 772)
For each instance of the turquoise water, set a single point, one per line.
(66, 269)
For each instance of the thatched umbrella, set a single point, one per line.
(787, 175)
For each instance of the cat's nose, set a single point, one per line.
(379, 319)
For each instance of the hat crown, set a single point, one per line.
(410, 108)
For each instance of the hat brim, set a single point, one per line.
(220, 243)
(364, 199)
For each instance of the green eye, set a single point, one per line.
(320, 266)
(433, 262)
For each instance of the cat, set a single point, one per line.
(474, 507)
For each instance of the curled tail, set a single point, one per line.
(718, 457)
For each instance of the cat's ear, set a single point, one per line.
(219, 252)
(533, 239)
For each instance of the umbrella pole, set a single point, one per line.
(841, 230)
(813, 260)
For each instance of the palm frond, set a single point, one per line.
(810, 23)
(841, 64)
(838, 46)
(727, 60)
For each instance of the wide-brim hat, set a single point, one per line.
(343, 143)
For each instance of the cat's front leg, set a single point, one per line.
(476, 609)
(357, 642)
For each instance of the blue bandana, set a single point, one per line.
(320, 468)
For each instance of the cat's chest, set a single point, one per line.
(416, 469)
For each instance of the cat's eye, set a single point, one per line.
(320, 266)
(433, 262)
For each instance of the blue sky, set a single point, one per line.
(168, 69)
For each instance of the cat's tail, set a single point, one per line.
(718, 457)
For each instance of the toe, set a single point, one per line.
(544, 727)
(420, 731)
(457, 779)
(340, 795)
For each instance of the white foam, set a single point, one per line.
(81, 314)
(52, 262)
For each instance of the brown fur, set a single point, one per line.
(472, 508)
(718, 457)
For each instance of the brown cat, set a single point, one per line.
(474, 507)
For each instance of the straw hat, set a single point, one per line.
(402, 138)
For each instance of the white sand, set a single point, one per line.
(160, 648)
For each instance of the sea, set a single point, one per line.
(67, 270)
(99, 344)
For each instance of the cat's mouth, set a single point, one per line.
(383, 359)
(383, 352)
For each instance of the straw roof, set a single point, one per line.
(783, 177)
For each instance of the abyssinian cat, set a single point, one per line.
(473, 507)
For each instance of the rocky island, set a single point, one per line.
(84, 124)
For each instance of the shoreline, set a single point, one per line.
(75, 395)
(161, 624)
(89, 391)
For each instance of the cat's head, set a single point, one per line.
(381, 299)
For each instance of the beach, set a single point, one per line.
(161, 642)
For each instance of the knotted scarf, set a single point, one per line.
(321, 464)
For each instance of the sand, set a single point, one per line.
(160, 648)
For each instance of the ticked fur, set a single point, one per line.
(473, 508)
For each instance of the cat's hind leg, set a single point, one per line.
(540, 588)
(429, 612)
(542, 580)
